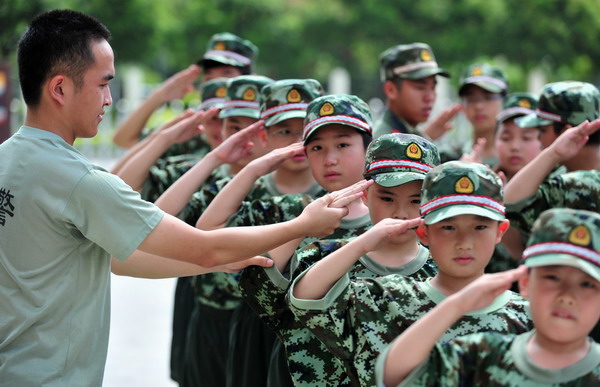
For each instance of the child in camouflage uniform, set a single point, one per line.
(562, 283)
(463, 216)
(337, 131)
(283, 108)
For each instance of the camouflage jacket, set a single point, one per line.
(490, 359)
(390, 123)
(265, 289)
(577, 190)
(221, 290)
(358, 318)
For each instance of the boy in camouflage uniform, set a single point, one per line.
(463, 216)
(283, 108)
(562, 282)
(408, 73)
(531, 191)
(337, 130)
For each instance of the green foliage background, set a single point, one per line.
(303, 38)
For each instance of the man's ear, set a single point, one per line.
(56, 87)
(421, 232)
(523, 284)
(390, 89)
(502, 228)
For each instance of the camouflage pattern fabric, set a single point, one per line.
(577, 190)
(490, 78)
(358, 318)
(390, 123)
(488, 359)
(515, 105)
(409, 61)
(229, 49)
(242, 96)
(264, 289)
(286, 99)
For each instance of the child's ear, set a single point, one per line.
(363, 197)
(421, 232)
(523, 284)
(502, 228)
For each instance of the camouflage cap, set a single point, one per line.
(567, 102)
(340, 109)
(230, 49)
(461, 188)
(213, 93)
(288, 98)
(515, 105)
(242, 96)
(562, 236)
(409, 61)
(395, 159)
(489, 78)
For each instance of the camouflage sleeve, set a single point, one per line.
(476, 359)
(578, 190)
(200, 200)
(164, 173)
(273, 210)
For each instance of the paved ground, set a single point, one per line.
(140, 337)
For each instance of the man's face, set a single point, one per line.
(336, 154)
(85, 105)
(516, 146)
(481, 108)
(400, 202)
(285, 133)
(564, 303)
(462, 245)
(413, 100)
(220, 72)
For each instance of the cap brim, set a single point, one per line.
(221, 59)
(461, 209)
(424, 73)
(487, 86)
(277, 118)
(345, 123)
(531, 121)
(564, 260)
(239, 112)
(394, 179)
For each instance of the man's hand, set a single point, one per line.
(441, 124)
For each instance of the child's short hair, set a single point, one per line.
(568, 237)
(395, 159)
(461, 188)
(340, 109)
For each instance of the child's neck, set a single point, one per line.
(292, 182)
(356, 209)
(547, 353)
(448, 285)
(395, 255)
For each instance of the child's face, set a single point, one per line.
(401, 202)
(463, 245)
(564, 302)
(232, 125)
(481, 108)
(516, 146)
(285, 133)
(336, 154)
(547, 135)
(414, 100)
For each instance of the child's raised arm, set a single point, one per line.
(413, 347)
(227, 202)
(320, 278)
(526, 182)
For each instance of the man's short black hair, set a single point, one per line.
(57, 41)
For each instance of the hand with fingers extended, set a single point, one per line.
(272, 160)
(442, 124)
(182, 128)
(382, 232)
(345, 196)
(476, 154)
(484, 290)
(211, 124)
(570, 142)
(179, 84)
(239, 145)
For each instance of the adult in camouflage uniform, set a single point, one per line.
(227, 55)
(562, 281)
(461, 204)
(283, 107)
(337, 130)
(408, 73)
(532, 190)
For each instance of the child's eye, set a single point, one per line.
(315, 148)
(551, 277)
(447, 227)
(481, 227)
(415, 201)
(588, 284)
(386, 199)
(343, 145)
